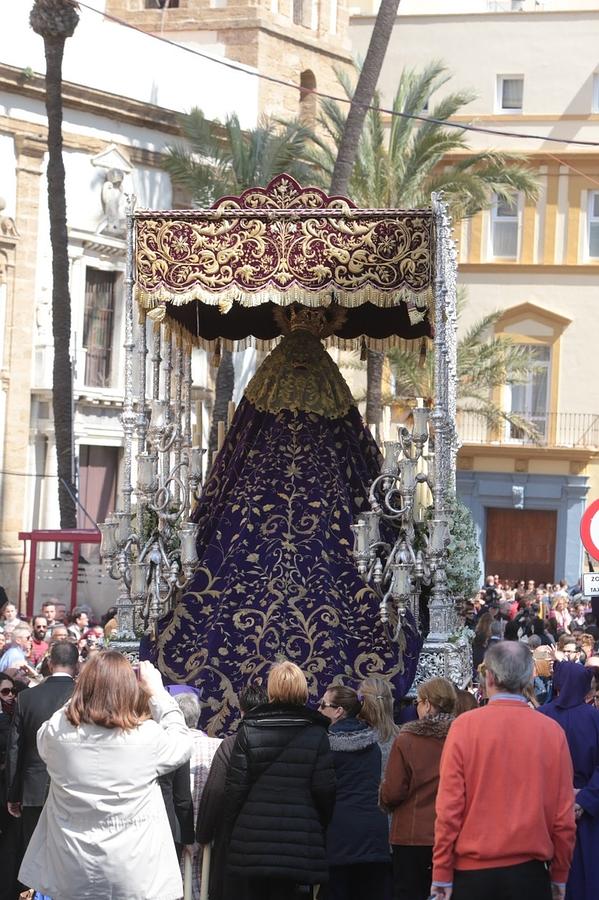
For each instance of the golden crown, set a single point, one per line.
(320, 321)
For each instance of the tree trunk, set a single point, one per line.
(62, 375)
(362, 98)
(374, 375)
(223, 392)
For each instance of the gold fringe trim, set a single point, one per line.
(160, 299)
(359, 344)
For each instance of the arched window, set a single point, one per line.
(307, 110)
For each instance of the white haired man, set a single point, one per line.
(504, 826)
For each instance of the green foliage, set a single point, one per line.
(220, 159)
(484, 362)
(463, 560)
(401, 166)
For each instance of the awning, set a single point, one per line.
(217, 273)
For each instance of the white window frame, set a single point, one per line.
(506, 110)
(333, 15)
(542, 418)
(493, 218)
(591, 220)
(595, 101)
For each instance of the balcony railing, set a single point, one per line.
(552, 430)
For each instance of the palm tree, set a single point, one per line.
(224, 159)
(483, 364)
(361, 98)
(55, 21)
(402, 165)
(219, 159)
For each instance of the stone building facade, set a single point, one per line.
(299, 42)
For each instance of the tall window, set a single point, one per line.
(531, 400)
(333, 17)
(504, 229)
(594, 224)
(302, 13)
(307, 110)
(510, 89)
(98, 325)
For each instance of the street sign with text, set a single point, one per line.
(590, 584)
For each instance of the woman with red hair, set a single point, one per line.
(104, 830)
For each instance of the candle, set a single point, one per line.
(123, 526)
(196, 463)
(230, 412)
(220, 435)
(147, 471)
(108, 545)
(407, 469)
(420, 417)
(198, 428)
(188, 535)
(360, 531)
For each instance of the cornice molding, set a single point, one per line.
(527, 452)
(590, 269)
(92, 101)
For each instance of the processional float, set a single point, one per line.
(241, 274)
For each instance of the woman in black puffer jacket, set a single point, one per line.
(358, 836)
(280, 792)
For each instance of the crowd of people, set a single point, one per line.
(109, 789)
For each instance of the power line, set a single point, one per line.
(237, 67)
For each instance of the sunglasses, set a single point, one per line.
(323, 705)
(6, 691)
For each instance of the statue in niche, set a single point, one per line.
(112, 203)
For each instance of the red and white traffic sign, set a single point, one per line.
(589, 529)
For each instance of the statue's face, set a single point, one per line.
(115, 177)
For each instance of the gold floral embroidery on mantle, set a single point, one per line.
(282, 244)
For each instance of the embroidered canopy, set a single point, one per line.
(217, 273)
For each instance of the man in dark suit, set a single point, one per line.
(26, 775)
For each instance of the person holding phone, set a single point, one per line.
(104, 830)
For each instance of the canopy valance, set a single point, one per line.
(218, 272)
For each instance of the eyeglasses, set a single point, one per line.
(6, 691)
(323, 705)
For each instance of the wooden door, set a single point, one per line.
(521, 544)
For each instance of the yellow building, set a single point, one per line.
(535, 69)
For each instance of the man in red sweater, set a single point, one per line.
(505, 808)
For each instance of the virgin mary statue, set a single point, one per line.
(276, 577)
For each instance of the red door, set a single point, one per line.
(521, 544)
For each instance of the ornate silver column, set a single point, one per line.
(417, 559)
(149, 545)
(446, 651)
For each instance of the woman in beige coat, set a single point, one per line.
(104, 832)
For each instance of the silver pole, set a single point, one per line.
(128, 420)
